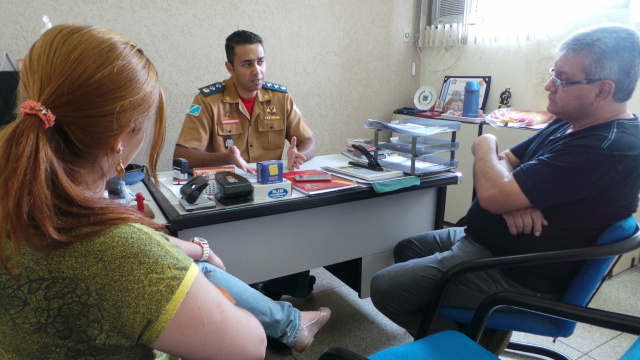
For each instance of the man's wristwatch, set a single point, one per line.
(204, 245)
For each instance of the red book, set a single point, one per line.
(317, 187)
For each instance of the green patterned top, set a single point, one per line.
(104, 298)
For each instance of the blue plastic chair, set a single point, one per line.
(454, 345)
(616, 240)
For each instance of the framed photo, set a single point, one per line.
(452, 94)
(439, 105)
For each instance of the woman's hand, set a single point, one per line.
(194, 251)
(215, 260)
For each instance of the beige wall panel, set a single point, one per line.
(343, 61)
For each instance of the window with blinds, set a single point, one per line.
(458, 22)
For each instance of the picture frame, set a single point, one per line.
(452, 93)
(439, 105)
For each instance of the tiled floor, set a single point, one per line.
(357, 325)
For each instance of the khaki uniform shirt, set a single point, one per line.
(218, 115)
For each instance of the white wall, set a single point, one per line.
(523, 66)
(343, 61)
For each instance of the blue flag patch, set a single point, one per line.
(194, 110)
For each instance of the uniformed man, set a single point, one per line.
(244, 119)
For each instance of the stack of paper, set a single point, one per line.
(364, 173)
(411, 129)
(404, 164)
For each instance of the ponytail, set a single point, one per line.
(44, 204)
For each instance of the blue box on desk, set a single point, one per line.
(269, 172)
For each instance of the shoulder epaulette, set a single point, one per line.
(212, 89)
(276, 87)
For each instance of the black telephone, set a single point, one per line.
(372, 164)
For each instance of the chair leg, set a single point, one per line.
(538, 350)
(338, 353)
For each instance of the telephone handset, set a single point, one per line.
(372, 164)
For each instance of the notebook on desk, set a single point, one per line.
(317, 187)
(364, 173)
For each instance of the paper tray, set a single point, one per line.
(431, 146)
(422, 167)
(411, 128)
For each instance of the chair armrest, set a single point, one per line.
(601, 318)
(592, 252)
(340, 353)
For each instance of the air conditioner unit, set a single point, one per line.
(447, 12)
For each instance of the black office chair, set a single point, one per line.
(453, 345)
(618, 239)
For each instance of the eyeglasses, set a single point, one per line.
(560, 83)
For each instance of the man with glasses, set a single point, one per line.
(560, 189)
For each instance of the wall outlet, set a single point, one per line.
(406, 35)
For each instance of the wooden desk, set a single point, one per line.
(354, 230)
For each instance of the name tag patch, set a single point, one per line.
(230, 121)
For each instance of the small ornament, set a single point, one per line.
(505, 98)
(228, 142)
(140, 202)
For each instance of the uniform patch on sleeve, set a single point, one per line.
(276, 87)
(212, 89)
(194, 110)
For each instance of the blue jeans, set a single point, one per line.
(279, 319)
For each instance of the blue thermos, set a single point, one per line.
(471, 99)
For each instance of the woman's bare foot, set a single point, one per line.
(311, 322)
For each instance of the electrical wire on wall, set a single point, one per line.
(442, 38)
(455, 61)
(437, 38)
(417, 59)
